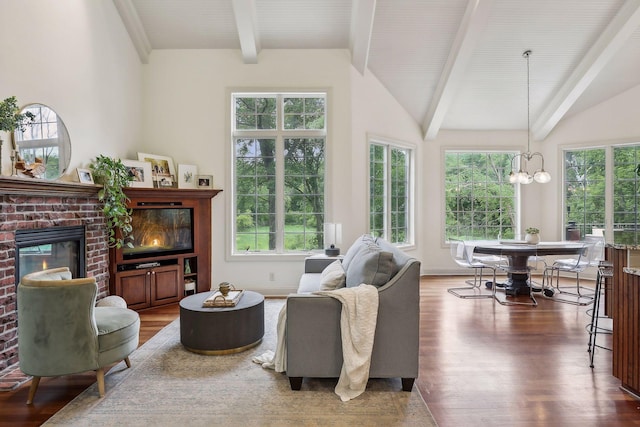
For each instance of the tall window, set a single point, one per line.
(584, 189)
(626, 200)
(587, 173)
(480, 203)
(279, 162)
(390, 192)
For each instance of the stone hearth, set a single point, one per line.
(33, 204)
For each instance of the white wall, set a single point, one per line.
(186, 116)
(76, 57)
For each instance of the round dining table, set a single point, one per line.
(518, 252)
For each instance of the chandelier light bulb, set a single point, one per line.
(542, 176)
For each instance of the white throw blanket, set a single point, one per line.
(357, 325)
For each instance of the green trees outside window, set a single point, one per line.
(279, 166)
(480, 203)
(589, 205)
(389, 192)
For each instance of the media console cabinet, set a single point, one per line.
(152, 280)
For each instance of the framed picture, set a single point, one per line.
(140, 172)
(187, 176)
(84, 176)
(161, 166)
(205, 181)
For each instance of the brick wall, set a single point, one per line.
(28, 211)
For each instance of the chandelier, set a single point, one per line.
(523, 176)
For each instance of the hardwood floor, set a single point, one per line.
(481, 364)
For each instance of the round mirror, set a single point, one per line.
(43, 146)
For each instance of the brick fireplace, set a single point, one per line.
(29, 204)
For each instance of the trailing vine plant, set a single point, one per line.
(114, 177)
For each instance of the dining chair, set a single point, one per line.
(462, 254)
(588, 256)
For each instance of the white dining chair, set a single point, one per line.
(591, 254)
(462, 254)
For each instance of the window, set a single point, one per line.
(626, 185)
(480, 203)
(390, 184)
(587, 174)
(584, 189)
(279, 162)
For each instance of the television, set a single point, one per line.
(159, 231)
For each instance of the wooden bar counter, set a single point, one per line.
(625, 305)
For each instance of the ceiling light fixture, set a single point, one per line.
(523, 176)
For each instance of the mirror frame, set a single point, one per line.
(63, 141)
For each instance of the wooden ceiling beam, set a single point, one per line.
(612, 39)
(134, 27)
(469, 32)
(362, 16)
(247, 26)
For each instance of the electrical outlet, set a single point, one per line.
(272, 276)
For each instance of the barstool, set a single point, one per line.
(605, 271)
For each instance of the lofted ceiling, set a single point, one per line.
(452, 64)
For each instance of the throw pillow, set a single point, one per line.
(365, 240)
(332, 277)
(371, 266)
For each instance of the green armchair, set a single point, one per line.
(61, 332)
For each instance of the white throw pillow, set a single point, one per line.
(332, 277)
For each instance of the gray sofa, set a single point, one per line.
(313, 338)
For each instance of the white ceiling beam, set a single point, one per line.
(134, 27)
(473, 24)
(247, 25)
(619, 30)
(362, 14)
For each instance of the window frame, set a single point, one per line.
(609, 191)
(411, 150)
(517, 205)
(280, 135)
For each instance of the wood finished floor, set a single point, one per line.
(481, 364)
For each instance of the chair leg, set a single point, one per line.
(100, 378)
(295, 383)
(407, 384)
(35, 381)
(127, 361)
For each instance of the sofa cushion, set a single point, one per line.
(361, 241)
(370, 265)
(332, 277)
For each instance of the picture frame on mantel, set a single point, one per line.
(140, 172)
(187, 175)
(84, 176)
(162, 167)
(205, 181)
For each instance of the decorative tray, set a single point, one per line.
(218, 300)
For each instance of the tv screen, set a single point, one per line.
(160, 231)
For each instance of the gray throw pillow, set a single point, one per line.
(361, 241)
(371, 266)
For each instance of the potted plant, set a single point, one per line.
(114, 177)
(11, 118)
(532, 236)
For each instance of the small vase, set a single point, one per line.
(532, 239)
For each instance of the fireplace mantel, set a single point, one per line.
(40, 187)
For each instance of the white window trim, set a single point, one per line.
(381, 140)
(230, 255)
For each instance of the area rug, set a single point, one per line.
(168, 385)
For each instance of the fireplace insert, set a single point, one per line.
(42, 248)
